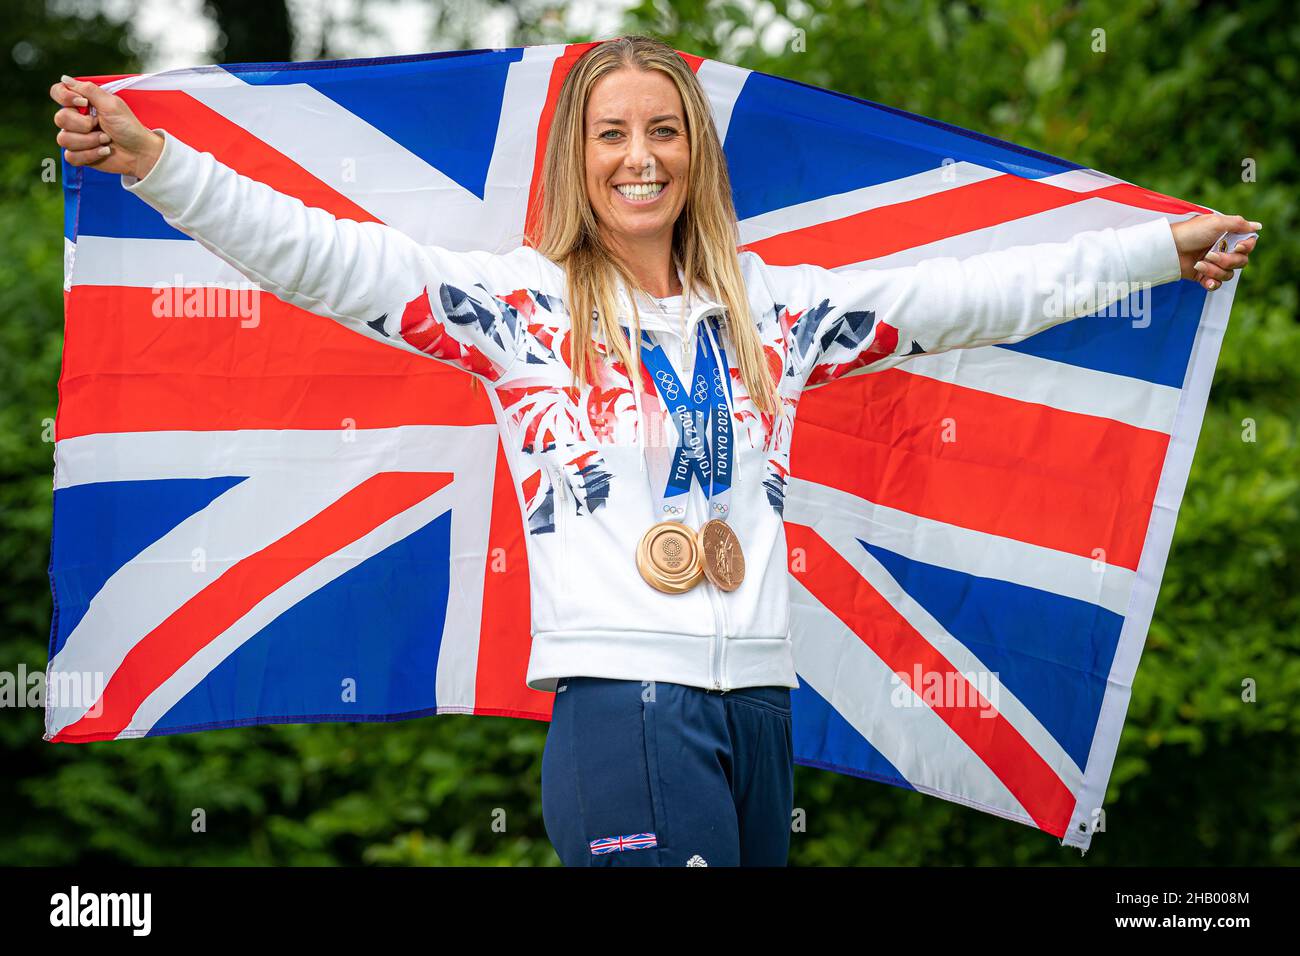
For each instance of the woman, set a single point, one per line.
(660, 611)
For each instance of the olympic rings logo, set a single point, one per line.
(669, 384)
(701, 389)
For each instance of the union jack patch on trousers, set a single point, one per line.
(630, 841)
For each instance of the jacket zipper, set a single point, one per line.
(722, 636)
(720, 644)
(715, 642)
(719, 629)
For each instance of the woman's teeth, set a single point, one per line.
(641, 190)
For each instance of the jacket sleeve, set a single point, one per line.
(370, 277)
(841, 321)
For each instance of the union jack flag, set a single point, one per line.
(242, 515)
(632, 841)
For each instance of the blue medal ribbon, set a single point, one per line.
(703, 422)
(723, 434)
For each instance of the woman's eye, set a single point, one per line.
(663, 132)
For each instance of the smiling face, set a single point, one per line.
(637, 155)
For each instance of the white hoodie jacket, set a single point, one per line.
(579, 464)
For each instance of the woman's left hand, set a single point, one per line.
(1199, 262)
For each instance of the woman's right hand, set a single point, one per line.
(132, 148)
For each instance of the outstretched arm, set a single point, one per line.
(877, 318)
(370, 277)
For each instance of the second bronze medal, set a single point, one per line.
(721, 555)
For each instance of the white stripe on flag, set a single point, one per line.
(723, 83)
(284, 453)
(960, 549)
(1081, 180)
(150, 263)
(842, 205)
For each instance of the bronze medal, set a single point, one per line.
(724, 562)
(668, 557)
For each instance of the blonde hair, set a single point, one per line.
(705, 236)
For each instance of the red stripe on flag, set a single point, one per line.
(995, 740)
(198, 125)
(103, 79)
(124, 369)
(194, 625)
(1131, 195)
(1062, 480)
(505, 634)
(692, 60)
(893, 228)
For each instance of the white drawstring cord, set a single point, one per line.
(634, 374)
(635, 352)
(640, 418)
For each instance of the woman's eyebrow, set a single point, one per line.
(653, 119)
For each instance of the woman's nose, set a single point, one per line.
(642, 164)
(639, 158)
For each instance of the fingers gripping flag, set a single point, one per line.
(272, 520)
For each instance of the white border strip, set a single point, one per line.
(1151, 566)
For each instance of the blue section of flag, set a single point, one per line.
(1052, 652)
(100, 526)
(819, 729)
(71, 199)
(1157, 349)
(790, 143)
(378, 625)
(107, 209)
(446, 111)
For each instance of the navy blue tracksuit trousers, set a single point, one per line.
(648, 773)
